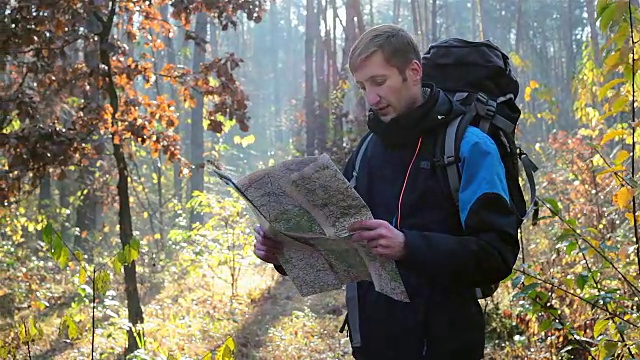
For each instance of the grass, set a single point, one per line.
(187, 315)
(189, 312)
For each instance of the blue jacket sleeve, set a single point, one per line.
(489, 248)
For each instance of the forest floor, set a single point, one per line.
(189, 313)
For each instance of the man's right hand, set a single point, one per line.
(266, 249)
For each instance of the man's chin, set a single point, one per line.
(386, 118)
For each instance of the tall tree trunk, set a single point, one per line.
(483, 20)
(425, 25)
(309, 99)
(44, 200)
(170, 53)
(434, 21)
(396, 11)
(124, 212)
(197, 128)
(354, 26)
(519, 28)
(275, 67)
(593, 32)
(570, 64)
(322, 83)
(474, 20)
(415, 16)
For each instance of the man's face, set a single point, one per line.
(384, 88)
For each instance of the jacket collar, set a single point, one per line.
(405, 129)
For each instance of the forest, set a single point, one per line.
(118, 241)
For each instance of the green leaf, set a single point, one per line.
(63, 260)
(606, 17)
(82, 277)
(553, 203)
(619, 104)
(571, 247)
(135, 244)
(72, 328)
(601, 6)
(226, 350)
(102, 281)
(545, 325)
(22, 332)
(608, 86)
(600, 326)
(609, 347)
(79, 255)
(582, 280)
(47, 234)
(526, 290)
(517, 281)
(117, 265)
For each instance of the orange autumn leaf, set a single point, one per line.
(623, 197)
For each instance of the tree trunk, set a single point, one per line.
(473, 20)
(483, 20)
(396, 11)
(425, 25)
(415, 16)
(434, 21)
(197, 128)
(275, 68)
(124, 212)
(309, 99)
(593, 32)
(170, 53)
(44, 200)
(322, 83)
(519, 28)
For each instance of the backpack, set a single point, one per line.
(478, 76)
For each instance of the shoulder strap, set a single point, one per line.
(356, 167)
(450, 156)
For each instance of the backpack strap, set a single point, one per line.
(529, 169)
(448, 149)
(351, 294)
(356, 167)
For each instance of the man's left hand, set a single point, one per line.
(382, 238)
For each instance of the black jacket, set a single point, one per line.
(449, 250)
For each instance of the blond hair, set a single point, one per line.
(397, 46)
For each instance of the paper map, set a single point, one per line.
(307, 204)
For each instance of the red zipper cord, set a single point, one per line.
(407, 178)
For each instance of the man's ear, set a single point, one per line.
(414, 72)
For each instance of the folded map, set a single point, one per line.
(307, 204)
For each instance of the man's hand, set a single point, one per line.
(266, 248)
(382, 238)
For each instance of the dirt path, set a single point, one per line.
(284, 325)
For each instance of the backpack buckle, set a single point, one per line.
(485, 106)
(446, 160)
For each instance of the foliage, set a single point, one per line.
(577, 292)
(64, 60)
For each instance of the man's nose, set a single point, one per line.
(372, 97)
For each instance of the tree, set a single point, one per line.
(101, 94)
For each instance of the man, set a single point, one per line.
(443, 251)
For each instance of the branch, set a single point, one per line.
(599, 307)
(634, 203)
(564, 325)
(582, 237)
